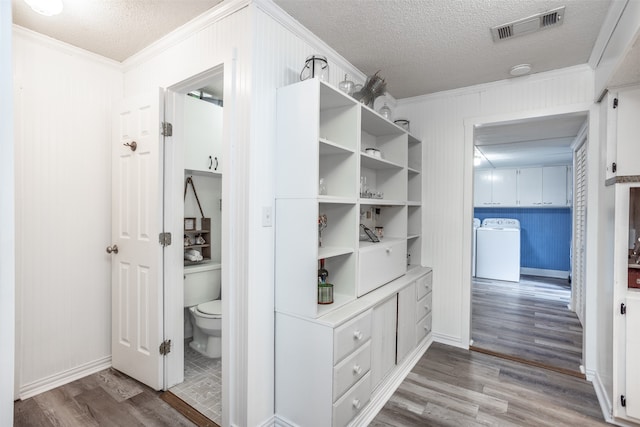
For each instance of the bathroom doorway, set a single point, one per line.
(195, 192)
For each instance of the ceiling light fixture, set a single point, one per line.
(46, 7)
(520, 70)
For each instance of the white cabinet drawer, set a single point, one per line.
(352, 402)
(351, 369)
(423, 307)
(381, 263)
(351, 335)
(423, 327)
(424, 285)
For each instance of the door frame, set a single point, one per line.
(173, 220)
(470, 124)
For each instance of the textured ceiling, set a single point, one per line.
(115, 29)
(425, 46)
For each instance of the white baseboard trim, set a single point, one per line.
(388, 386)
(282, 422)
(48, 383)
(603, 398)
(269, 422)
(557, 274)
(449, 340)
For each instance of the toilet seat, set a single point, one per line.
(211, 309)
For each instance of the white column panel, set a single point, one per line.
(7, 219)
(63, 214)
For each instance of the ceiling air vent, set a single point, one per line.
(528, 25)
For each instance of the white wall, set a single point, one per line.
(63, 99)
(439, 119)
(7, 240)
(260, 54)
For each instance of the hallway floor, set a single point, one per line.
(528, 321)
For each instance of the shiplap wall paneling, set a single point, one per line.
(63, 214)
(439, 120)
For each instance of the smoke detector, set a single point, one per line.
(531, 24)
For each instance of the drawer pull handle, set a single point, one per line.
(356, 403)
(357, 370)
(357, 335)
(389, 250)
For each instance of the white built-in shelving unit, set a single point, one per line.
(326, 167)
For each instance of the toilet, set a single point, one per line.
(202, 291)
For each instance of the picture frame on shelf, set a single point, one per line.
(189, 224)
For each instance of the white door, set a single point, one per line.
(136, 296)
(632, 393)
(579, 232)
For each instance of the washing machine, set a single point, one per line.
(476, 225)
(498, 249)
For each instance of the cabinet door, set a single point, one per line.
(504, 187)
(632, 355)
(383, 340)
(482, 188)
(628, 138)
(202, 135)
(406, 322)
(530, 187)
(554, 186)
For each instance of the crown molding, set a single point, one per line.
(213, 15)
(297, 29)
(546, 75)
(63, 47)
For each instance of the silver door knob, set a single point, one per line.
(113, 249)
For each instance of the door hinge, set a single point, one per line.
(615, 103)
(623, 309)
(165, 347)
(165, 239)
(623, 400)
(167, 129)
(614, 167)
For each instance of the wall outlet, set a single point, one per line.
(267, 216)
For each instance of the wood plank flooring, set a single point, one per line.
(107, 398)
(527, 321)
(455, 387)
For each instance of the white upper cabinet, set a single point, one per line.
(530, 187)
(623, 142)
(482, 188)
(554, 186)
(543, 187)
(495, 188)
(202, 135)
(504, 188)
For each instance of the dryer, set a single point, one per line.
(498, 249)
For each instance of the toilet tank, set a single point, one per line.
(201, 283)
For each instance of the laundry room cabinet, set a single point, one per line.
(543, 186)
(495, 187)
(341, 168)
